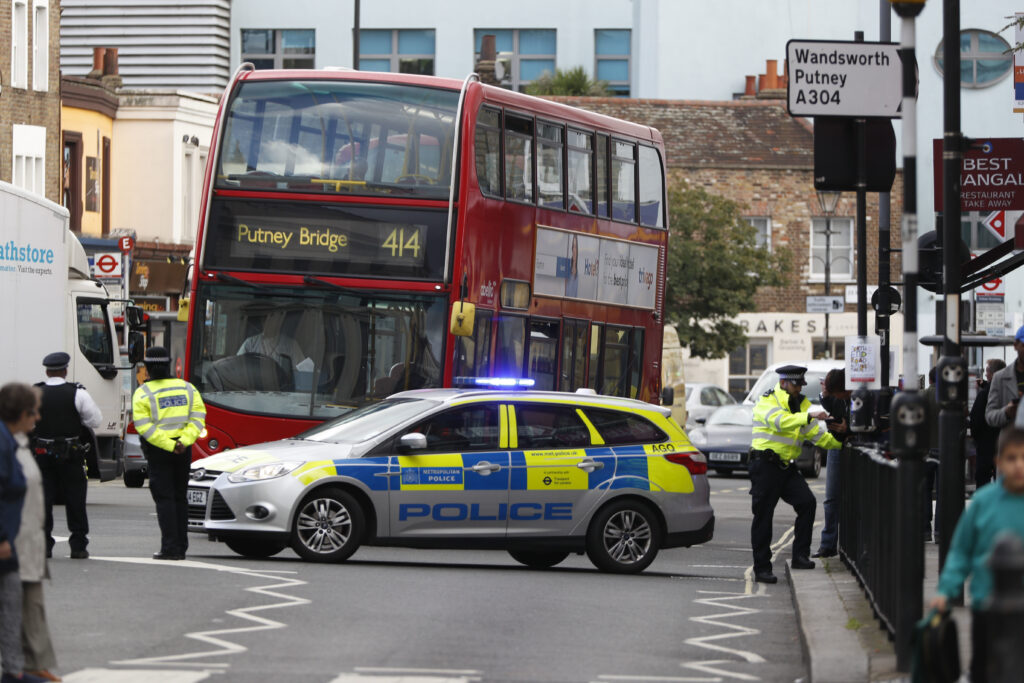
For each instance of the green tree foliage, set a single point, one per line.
(573, 81)
(714, 269)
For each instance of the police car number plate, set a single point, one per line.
(196, 496)
(725, 457)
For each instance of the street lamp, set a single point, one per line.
(828, 200)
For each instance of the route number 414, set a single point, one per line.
(400, 242)
(822, 96)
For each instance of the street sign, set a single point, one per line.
(126, 244)
(996, 223)
(842, 78)
(107, 264)
(825, 304)
(991, 177)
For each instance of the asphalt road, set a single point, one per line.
(417, 616)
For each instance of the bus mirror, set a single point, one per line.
(463, 316)
(183, 309)
(668, 396)
(136, 317)
(136, 347)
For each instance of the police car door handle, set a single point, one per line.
(590, 465)
(485, 467)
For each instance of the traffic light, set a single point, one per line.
(930, 260)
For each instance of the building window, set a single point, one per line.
(524, 54)
(746, 364)
(407, 51)
(19, 45)
(281, 49)
(71, 192)
(611, 59)
(985, 58)
(836, 350)
(841, 248)
(764, 230)
(40, 46)
(974, 233)
(29, 148)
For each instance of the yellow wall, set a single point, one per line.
(94, 127)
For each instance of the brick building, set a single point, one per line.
(30, 96)
(753, 152)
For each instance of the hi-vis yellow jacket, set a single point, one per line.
(777, 429)
(168, 411)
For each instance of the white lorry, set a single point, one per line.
(49, 302)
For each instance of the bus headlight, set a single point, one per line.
(262, 472)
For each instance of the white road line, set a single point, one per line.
(223, 646)
(408, 675)
(416, 670)
(733, 630)
(718, 566)
(670, 679)
(711, 667)
(135, 675)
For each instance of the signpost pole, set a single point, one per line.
(862, 219)
(951, 417)
(884, 238)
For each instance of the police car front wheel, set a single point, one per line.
(623, 537)
(328, 526)
(256, 549)
(538, 559)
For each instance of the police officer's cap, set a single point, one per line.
(58, 360)
(792, 373)
(156, 355)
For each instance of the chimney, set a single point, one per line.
(109, 61)
(751, 88)
(771, 80)
(488, 54)
(773, 86)
(97, 62)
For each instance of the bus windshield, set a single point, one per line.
(339, 137)
(312, 353)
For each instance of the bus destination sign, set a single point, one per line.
(285, 237)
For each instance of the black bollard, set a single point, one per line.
(1005, 614)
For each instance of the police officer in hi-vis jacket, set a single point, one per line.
(169, 415)
(782, 422)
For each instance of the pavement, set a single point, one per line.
(842, 640)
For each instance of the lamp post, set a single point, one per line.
(828, 200)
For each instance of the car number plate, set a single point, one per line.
(725, 457)
(197, 496)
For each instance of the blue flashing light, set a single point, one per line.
(507, 382)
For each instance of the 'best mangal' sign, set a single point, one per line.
(991, 177)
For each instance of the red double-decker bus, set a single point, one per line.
(350, 217)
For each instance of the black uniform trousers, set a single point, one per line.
(769, 483)
(168, 483)
(66, 480)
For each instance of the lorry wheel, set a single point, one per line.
(328, 526)
(623, 537)
(134, 479)
(256, 548)
(538, 559)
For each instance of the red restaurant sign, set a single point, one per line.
(992, 176)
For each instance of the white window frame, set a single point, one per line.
(972, 56)
(515, 59)
(28, 158)
(753, 220)
(279, 55)
(628, 58)
(40, 45)
(837, 252)
(19, 44)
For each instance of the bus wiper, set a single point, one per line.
(310, 280)
(224, 277)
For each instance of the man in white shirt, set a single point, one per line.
(60, 442)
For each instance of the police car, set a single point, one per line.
(539, 474)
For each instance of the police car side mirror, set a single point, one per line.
(668, 396)
(414, 441)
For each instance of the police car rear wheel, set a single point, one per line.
(623, 538)
(537, 559)
(328, 526)
(256, 549)
(134, 479)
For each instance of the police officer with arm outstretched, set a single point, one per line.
(60, 442)
(169, 416)
(783, 420)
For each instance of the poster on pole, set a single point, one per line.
(1018, 67)
(862, 367)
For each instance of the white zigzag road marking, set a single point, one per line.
(222, 645)
(711, 667)
(733, 630)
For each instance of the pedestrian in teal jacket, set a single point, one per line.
(995, 508)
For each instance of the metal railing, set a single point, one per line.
(880, 541)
